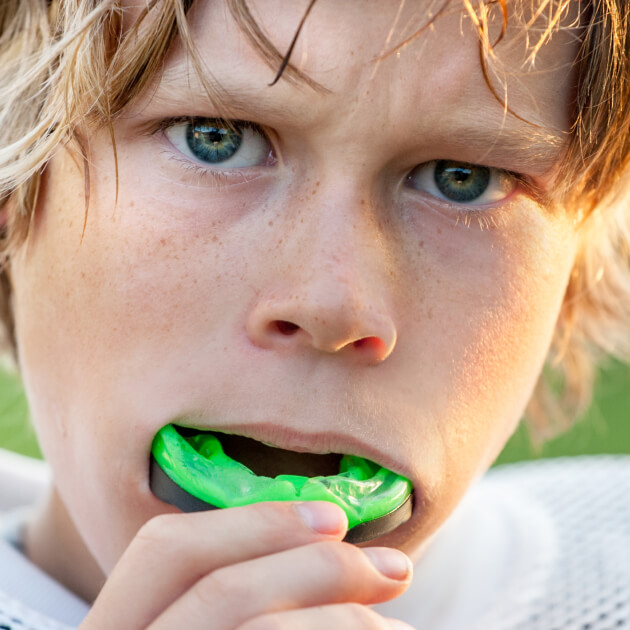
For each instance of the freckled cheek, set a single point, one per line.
(510, 341)
(481, 311)
(129, 298)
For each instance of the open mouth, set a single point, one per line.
(201, 470)
(270, 461)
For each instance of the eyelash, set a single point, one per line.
(218, 177)
(490, 216)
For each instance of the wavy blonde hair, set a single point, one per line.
(65, 63)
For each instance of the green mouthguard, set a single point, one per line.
(198, 465)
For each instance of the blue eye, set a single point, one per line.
(213, 144)
(219, 143)
(461, 182)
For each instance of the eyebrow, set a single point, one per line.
(529, 146)
(232, 101)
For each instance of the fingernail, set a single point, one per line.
(322, 516)
(391, 563)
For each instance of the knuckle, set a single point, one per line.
(157, 530)
(274, 514)
(222, 585)
(282, 520)
(342, 557)
(346, 616)
(360, 616)
(271, 621)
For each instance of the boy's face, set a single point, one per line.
(313, 291)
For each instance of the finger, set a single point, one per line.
(173, 551)
(346, 616)
(313, 575)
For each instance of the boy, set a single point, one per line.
(369, 257)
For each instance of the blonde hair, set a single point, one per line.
(65, 63)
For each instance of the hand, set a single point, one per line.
(267, 566)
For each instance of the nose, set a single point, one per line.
(329, 296)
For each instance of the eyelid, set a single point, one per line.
(429, 186)
(166, 123)
(254, 149)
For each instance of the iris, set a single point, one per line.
(461, 182)
(211, 143)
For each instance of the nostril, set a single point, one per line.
(286, 328)
(370, 343)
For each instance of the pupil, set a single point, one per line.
(461, 182)
(213, 144)
(213, 136)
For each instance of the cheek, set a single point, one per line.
(489, 309)
(109, 325)
(126, 303)
(477, 318)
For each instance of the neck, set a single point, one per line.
(52, 542)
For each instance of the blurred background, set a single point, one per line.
(604, 429)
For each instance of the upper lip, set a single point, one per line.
(321, 442)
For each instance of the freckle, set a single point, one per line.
(362, 202)
(439, 230)
(421, 244)
(162, 241)
(270, 223)
(215, 238)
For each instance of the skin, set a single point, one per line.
(418, 331)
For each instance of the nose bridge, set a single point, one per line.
(330, 290)
(342, 254)
(340, 250)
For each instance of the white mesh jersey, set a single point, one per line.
(29, 599)
(582, 582)
(541, 545)
(535, 546)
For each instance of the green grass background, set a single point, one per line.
(604, 429)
